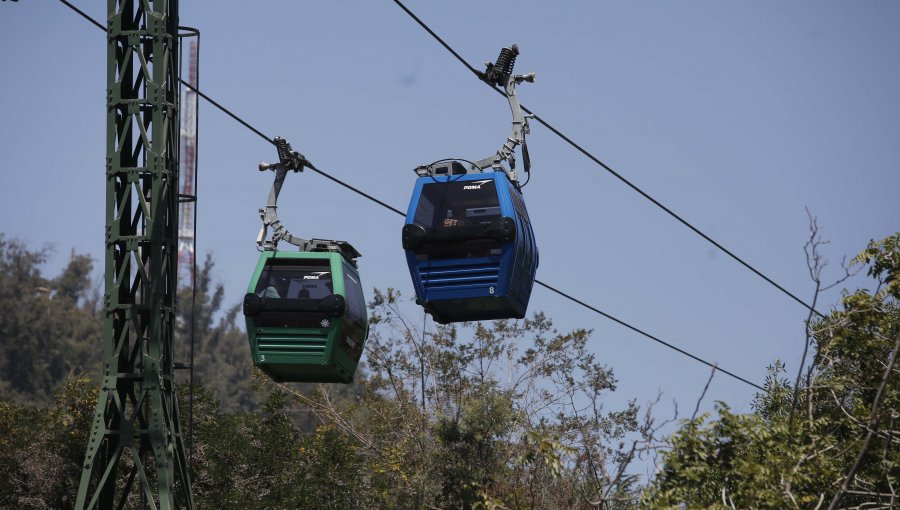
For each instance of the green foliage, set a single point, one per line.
(509, 414)
(41, 449)
(882, 259)
(262, 460)
(836, 448)
(477, 433)
(50, 329)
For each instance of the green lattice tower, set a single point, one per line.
(135, 452)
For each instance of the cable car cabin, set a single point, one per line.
(470, 246)
(306, 316)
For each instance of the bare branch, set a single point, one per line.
(786, 482)
(815, 264)
(884, 435)
(821, 500)
(728, 502)
(711, 374)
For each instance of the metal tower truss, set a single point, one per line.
(135, 453)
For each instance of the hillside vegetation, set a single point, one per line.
(509, 414)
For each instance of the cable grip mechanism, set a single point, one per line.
(288, 159)
(500, 73)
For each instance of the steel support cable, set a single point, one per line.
(401, 213)
(357, 191)
(186, 84)
(615, 174)
(84, 15)
(648, 335)
(272, 141)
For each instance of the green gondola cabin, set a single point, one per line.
(306, 315)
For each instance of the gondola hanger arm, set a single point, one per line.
(499, 73)
(289, 160)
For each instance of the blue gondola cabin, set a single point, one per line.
(470, 246)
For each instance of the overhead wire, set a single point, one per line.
(714, 366)
(84, 15)
(606, 167)
(272, 141)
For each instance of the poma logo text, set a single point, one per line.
(476, 184)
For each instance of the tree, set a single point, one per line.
(258, 460)
(836, 445)
(42, 449)
(50, 329)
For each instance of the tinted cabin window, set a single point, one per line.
(519, 206)
(356, 306)
(445, 204)
(452, 204)
(295, 282)
(285, 281)
(356, 313)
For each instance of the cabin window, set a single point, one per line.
(519, 205)
(447, 204)
(295, 282)
(355, 332)
(356, 305)
(458, 203)
(309, 279)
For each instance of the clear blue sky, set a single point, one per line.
(737, 115)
